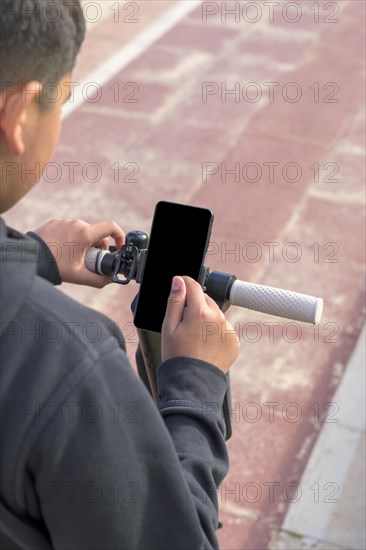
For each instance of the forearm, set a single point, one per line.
(191, 396)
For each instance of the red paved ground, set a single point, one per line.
(317, 203)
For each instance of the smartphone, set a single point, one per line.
(179, 238)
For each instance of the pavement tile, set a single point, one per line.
(261, 484)
(134, 96)
(292, 541)
(344, 226)
(247, 68)
(216, 98)
(342, 177)
(119, 29)
(316, 120)
(239, 532)
(354, 134)
(282, 389)
(92, 129)
(72, 183)
(289, 389)
(210, 107)
(299, 17)
(281, 358)
(347, 526)
(176, 141)
(304, 372)
(272, 46)
(337, 518)
(326, 271)
(153, 61)
(328, 222)
(286, 16)
(210, 14)
(198, 37)
(257, 210)
(158, 179)
(284, 369)
(310, 122)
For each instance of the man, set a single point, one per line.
(87, 460)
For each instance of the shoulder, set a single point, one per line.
(53, 342)
(61, 319)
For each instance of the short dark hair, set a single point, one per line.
(39, 40)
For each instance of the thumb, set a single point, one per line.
(176, 304)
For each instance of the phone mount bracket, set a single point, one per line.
(131, 259)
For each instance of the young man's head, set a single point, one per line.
(39, 42)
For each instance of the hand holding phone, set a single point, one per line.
(179, 238)
(194, 326)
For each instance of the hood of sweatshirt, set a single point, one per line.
(18, 268)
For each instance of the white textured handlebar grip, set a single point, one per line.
(93, 259)
(274, 301)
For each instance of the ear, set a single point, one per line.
(14, 113)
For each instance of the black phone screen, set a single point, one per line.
(178, 242)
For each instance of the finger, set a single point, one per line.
(195, 296)
(102, 230)
(176, 304)
(210, 302)
(85, 277)
(103, 244)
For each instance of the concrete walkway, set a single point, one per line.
(331, 516)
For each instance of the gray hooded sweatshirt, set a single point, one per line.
(88, 461)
